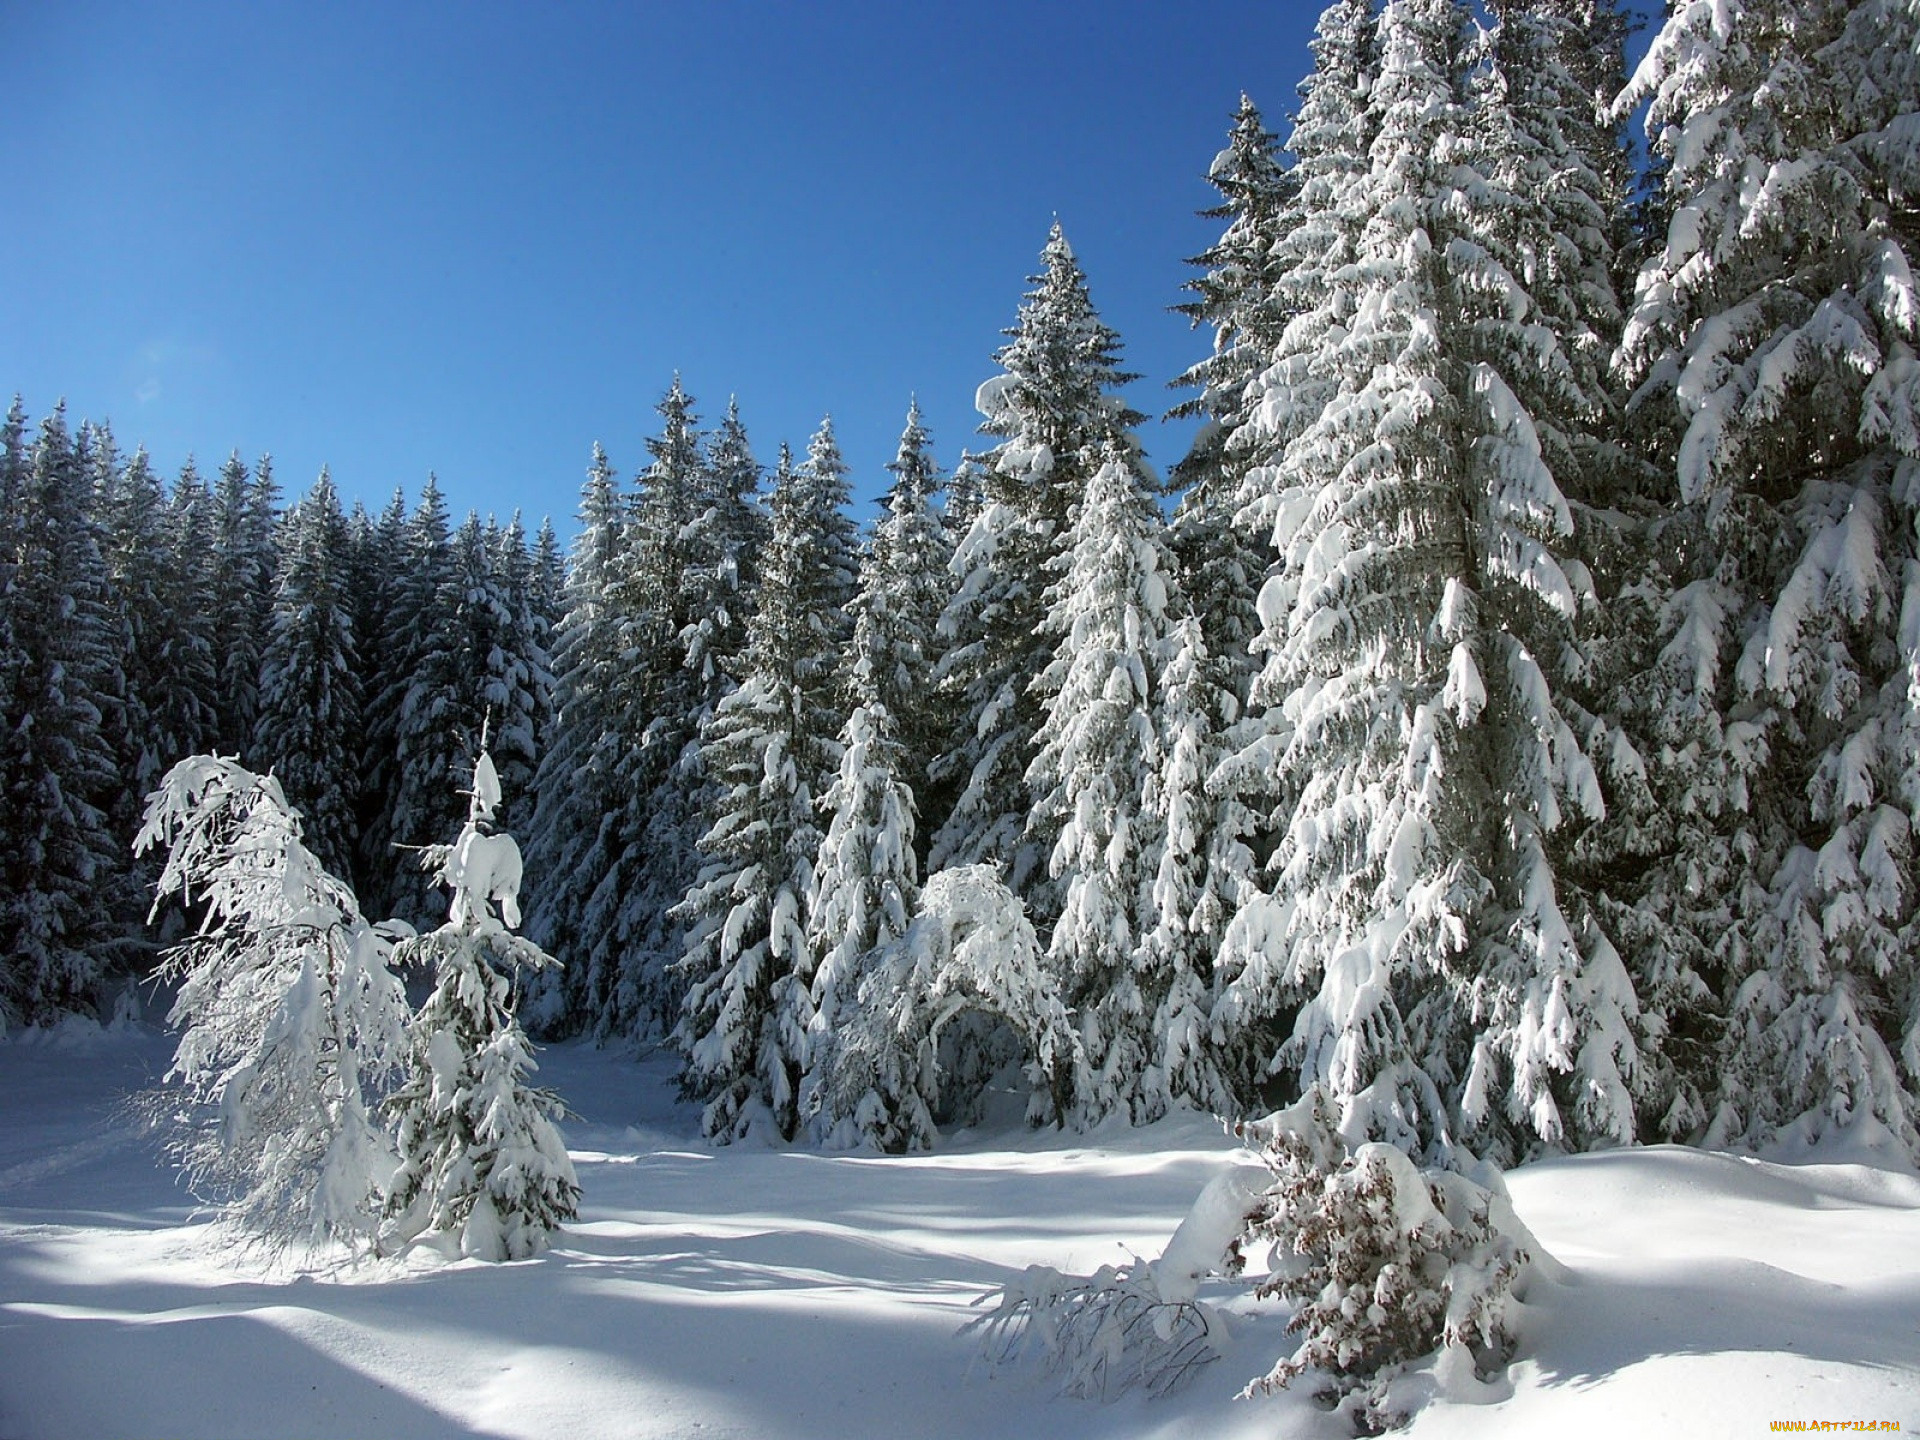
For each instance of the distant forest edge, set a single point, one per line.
(1514, 732)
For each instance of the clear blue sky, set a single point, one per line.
(475, 238)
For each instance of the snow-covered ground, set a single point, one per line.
(759, 1292)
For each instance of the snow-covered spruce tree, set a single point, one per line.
(902, 1055)
(723, 543)
(1057, 410)
(1385, 1264)
(904, 589)
(428, 696)
(1415, 632)
(1317, 237)
(382, 584)
(1202, 875)
(866, 877)
(576, 777)
(130, 502)
(244, 563)
(477, 670)
(1315, 240)
(481, 1160)
(1095, 748)
(291, 1021)
(769, 751)
(57, 675)
(1220, 564)
(865, 883)
(185, 711)
(517, 688)
(652, 821)
(308, 728)
(1772, 343)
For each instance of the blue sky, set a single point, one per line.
(476, 238)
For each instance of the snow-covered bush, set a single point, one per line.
(1384, 1263)
(291, 1022)
(480, 1156)
(1125, 1326)
(970, 949)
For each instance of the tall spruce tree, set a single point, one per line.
(56, 766)
(1771, 343)
(1057, 410)
(904, 589)
(243, 573)
(308, 730)
(1095, 749)
(577, 773)
(1415, 633)
(425, 702)
(652, 823)
(1221, 564)
(770, 750)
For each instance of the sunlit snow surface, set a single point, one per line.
(759, 1292)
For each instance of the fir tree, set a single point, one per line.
(904, 590)
(309, 721)
(1203, 873)
(481, 1159)
(1221, 564)
(577, 773)
(1414, 634)
(1058, 413)
(243, 571)
(1096, 746)
(1771, 343)
(428, 697)
(291, 1021)
(769, 750)
(56, 767)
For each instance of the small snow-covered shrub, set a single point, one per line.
(1124, 1326)
(291, 1023)
(1384, 1263)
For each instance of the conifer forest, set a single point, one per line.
(1496, 738)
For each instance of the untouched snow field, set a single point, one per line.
(759, 1292)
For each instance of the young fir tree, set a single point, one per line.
(291, 1021)
(1096, 746)
(308, 728)
(1057, 410)
(769, 750)
(576, 777)
(1415, 632)
(57, 860)
(1771, 342)
(481, 1160)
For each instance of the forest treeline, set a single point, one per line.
(1513, 731)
